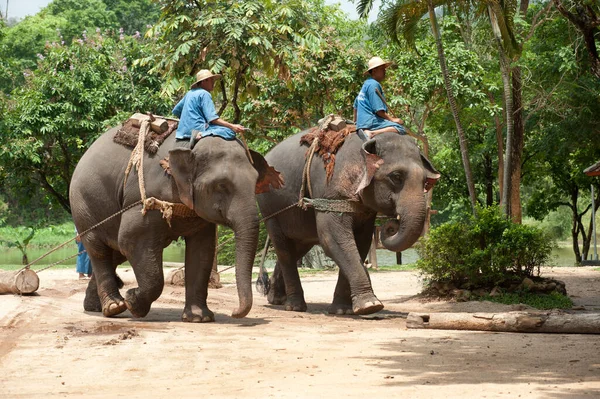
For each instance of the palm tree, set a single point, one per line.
(403, 16)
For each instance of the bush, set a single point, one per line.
(484, 250)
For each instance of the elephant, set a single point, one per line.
(385, 174)
(216, 182)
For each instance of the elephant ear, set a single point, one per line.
(181, 163)
(432, 175)
(268, 177)
(372, 162)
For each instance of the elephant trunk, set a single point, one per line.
(246, 240)
(401, 233)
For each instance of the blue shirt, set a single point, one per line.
(195, 112)
(368, 103)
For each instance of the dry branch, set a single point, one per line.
(586, 323)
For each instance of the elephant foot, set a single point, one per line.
(197, 314)
(91, 302)
(295, 303)
(275, 296)
(136, 305)
(340, 309)
(111, 305)
(366, 304)
(114, 308)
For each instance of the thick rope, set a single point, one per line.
(81, 235)
(306, 172)
(137, 158)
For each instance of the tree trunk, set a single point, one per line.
(508, 115)
(500, 149)
(575, 225)
(508, 322)
(464, 151)
(25, 281)
(517, 147)
(588, 242)
(586, 20)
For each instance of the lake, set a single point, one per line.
(563, 256)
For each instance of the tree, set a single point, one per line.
(402, 17)
(563, 129)
(75, 93)
(585, 15)
(256, 45)
(134, 16)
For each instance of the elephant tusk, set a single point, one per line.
(398, 217)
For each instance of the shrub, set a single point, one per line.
(483, 250)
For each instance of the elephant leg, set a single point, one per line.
(287, 258)
(102, 293)
(337, 238)
(142, 243)
(342, 299)
(276, 294)
(199, 256)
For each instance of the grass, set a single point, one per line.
(553, 300)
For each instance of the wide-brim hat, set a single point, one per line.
(377, 62)
(204, 74)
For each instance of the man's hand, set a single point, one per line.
(397, 120)
(238, 128)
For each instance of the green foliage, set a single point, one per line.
(284, 64)
(483, 250)
(77, 91)
(18, 238)
(554, 300)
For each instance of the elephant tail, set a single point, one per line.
(262, 282)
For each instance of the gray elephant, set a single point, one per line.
(386, 174)
(215, 180)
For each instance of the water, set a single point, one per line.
(562, 256)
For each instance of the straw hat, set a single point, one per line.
(377, 62)
(204, 74)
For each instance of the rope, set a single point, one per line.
(306, 172)
(137, 158)
(80, 235)
(246, 148)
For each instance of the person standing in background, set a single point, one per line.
(84, 265)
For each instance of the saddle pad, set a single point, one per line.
(329, 143)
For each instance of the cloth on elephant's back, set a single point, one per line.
(329, 143)
(128, 135)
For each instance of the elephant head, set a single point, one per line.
(395, 182)
(218, 181)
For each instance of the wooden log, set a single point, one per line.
(584, 323)
(158, 125)
(176, 277)
(337, 124)
(21, 282)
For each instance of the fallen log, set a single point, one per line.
(585, 323)
(25, 281)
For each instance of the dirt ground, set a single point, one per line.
(51, 348)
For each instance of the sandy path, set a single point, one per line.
(50, 348)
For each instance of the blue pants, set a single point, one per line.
(83, 261)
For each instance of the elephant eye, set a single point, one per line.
(397, 178)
